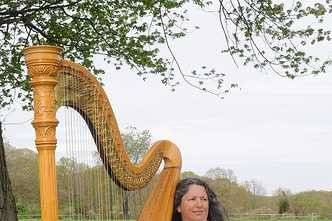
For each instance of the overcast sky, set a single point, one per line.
(275, 130)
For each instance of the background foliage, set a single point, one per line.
(237, 198)
(267, 34)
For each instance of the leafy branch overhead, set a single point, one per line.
(133, 32)
(277, 36)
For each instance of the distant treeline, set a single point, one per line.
(84, 191)
(237, 198)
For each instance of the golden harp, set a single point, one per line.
(50, 77)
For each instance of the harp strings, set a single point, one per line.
(86, 190)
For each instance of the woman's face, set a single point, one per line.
(194, 204)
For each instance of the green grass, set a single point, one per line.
(231, 219)
(278, 219)
(71, 219)
(237, 219)
(32, 219)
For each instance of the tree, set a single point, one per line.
(255, 188)
(283, 200)
(263, 33)
(279, 36)
(234, 197)
(186, 174)
(119, 31)
(23, 170)
(304, 203)
(136, 143)
(7, 200)
(218, 172)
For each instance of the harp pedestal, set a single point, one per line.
(43, 63)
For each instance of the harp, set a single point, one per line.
(50, 76)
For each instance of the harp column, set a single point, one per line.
(43, 63)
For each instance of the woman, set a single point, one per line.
(195, 201)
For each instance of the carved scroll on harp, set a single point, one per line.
(52, 82)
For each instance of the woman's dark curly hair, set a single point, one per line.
(216, 212)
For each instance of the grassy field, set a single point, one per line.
(280, 219)
(70, 219)
(307, 219)
(32, 219)
(258, 217)
(237, 219)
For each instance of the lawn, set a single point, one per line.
(231, 219)
(33, 219)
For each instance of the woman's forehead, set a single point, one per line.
(195, 189)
